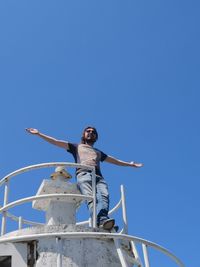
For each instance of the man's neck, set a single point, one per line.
(89, 143)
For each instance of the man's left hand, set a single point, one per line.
(136, 165)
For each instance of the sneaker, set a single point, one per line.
(116, 228)
(107, 224)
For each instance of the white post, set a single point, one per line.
(125, 221)
(20, 223)
(120, 253)
(146, 257)
(3, 224)
(94, 219)
(59, 254)
(135, 252)
(6, 191)
(90, 222)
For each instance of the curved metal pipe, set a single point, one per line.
(43, 165)
(94, 235)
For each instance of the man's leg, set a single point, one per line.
(84, 181)
(102, 200)
(103, 205)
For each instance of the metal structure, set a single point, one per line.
(38, 246)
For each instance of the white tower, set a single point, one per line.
(61, 241)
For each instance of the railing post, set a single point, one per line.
(4, 216)
(125, 221)
(20, 223)
(146, 257)
(135, 252)
(120, 253)
(59, 254)
(94, 219)
(3, 223)
(90, 222)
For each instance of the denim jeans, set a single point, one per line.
(84, 180)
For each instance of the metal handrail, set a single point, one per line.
(28, 222)
(94, 235)
(116, 237)
(8, 177)
(43, 165)
(116, 207)
(16, 218)
(30, 199)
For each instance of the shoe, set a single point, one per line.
(116, 228)
(107, 224)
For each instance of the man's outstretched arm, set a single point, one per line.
(49, 139)
(123, 163)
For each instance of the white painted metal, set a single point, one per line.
(94, 221)
(114, 209)
(124, 215)
(4, 217)
(136, 254)
(59, 252)
(16, 218)
(99, 235)
(6, 192)
(117, 206)
(3, 223)
(43, 165)
(27, 222)
(20, 223)
(52, 196)
(146, 257)
(60, 237)
(120, 253)
(125, 220)
(90, 222)
(125, 228)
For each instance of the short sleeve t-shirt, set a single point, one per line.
(87, 155)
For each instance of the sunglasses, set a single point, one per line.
(90, 131)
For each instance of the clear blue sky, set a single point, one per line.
(131, 68)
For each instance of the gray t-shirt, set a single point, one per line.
(87, 155)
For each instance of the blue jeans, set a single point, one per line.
(84, 180)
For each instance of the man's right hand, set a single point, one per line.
(32, 130)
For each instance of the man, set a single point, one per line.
(85, 153)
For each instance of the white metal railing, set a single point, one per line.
(6, 206)
(121, 203)
(40, 166)
(5, 181)
(99, 235)
(20, 220)
(117, 237)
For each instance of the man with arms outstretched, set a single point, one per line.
(85, 153)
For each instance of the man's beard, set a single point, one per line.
(90, 139)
